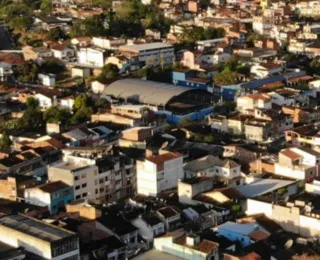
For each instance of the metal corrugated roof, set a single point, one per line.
(145, 91)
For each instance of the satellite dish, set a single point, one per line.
(164, 145)
(288, 244)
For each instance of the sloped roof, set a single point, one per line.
(148, 92)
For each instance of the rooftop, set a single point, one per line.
(35, 228)
(147, 92)
(161, 158)
(145, 46)
(262, 186)
(208, 162)
(290, 154)
(156, 254)
(52, 187)
(168, 212)
(205, 246)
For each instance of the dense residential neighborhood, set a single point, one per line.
(160, 129)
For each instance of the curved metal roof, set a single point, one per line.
(145, 91)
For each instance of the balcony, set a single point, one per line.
(118, 177)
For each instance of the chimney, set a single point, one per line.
(192, 240)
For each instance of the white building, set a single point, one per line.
(263, 70)
(54, 195)
(108, 43)
(297, 163)
(66, 103)
(93, 177)
(212, 166)
(252, 101)
(149, 227)
(283, 97)
(92, 56)
(187, 246)
(63, 53)
(159, 173)
(298, 215)
(46, 100)
(39, 238)
(48, 80)
(151, 53)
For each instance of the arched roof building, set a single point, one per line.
(157, 93)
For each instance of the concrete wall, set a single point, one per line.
(166, 245)
(8, 188)
(30, 243)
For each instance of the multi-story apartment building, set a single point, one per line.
(298, 215)
(262, 24)
(108, 43)
(39, 238)
(212, 166)
(252, 101)
(92, 56)
(297, 163)
(150, 53)
(158, 173)
(95, 177)
(54, 195)
(306, 135)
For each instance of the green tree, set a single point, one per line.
(83, 108)
(110, 71)
(18, 16)
(226, 77)
(56, 34)
(315, 66)
(5, 141)
(46, 6)
(56, 115)
(92, 26)
(53, 66)
(209, 139)
(32, 117)
(28, 72)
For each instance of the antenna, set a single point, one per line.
(164, 145)
(288, 244)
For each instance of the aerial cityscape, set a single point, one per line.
(160, 129)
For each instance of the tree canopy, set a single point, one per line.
(83, 108)
(226, 77)
(18, 16)
(33, 117)
(5, 141)
(110, 71)
(200, 33)
(56, 115)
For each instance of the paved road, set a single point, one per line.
(5, 39)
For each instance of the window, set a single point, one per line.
(106, 178)
(76, 178)
(96, 191)
(101, 190)
(78, 197)
(95, 173)
(85, 194)
(77, 187)
(101, 181)
(83, 176)
(84, 185)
